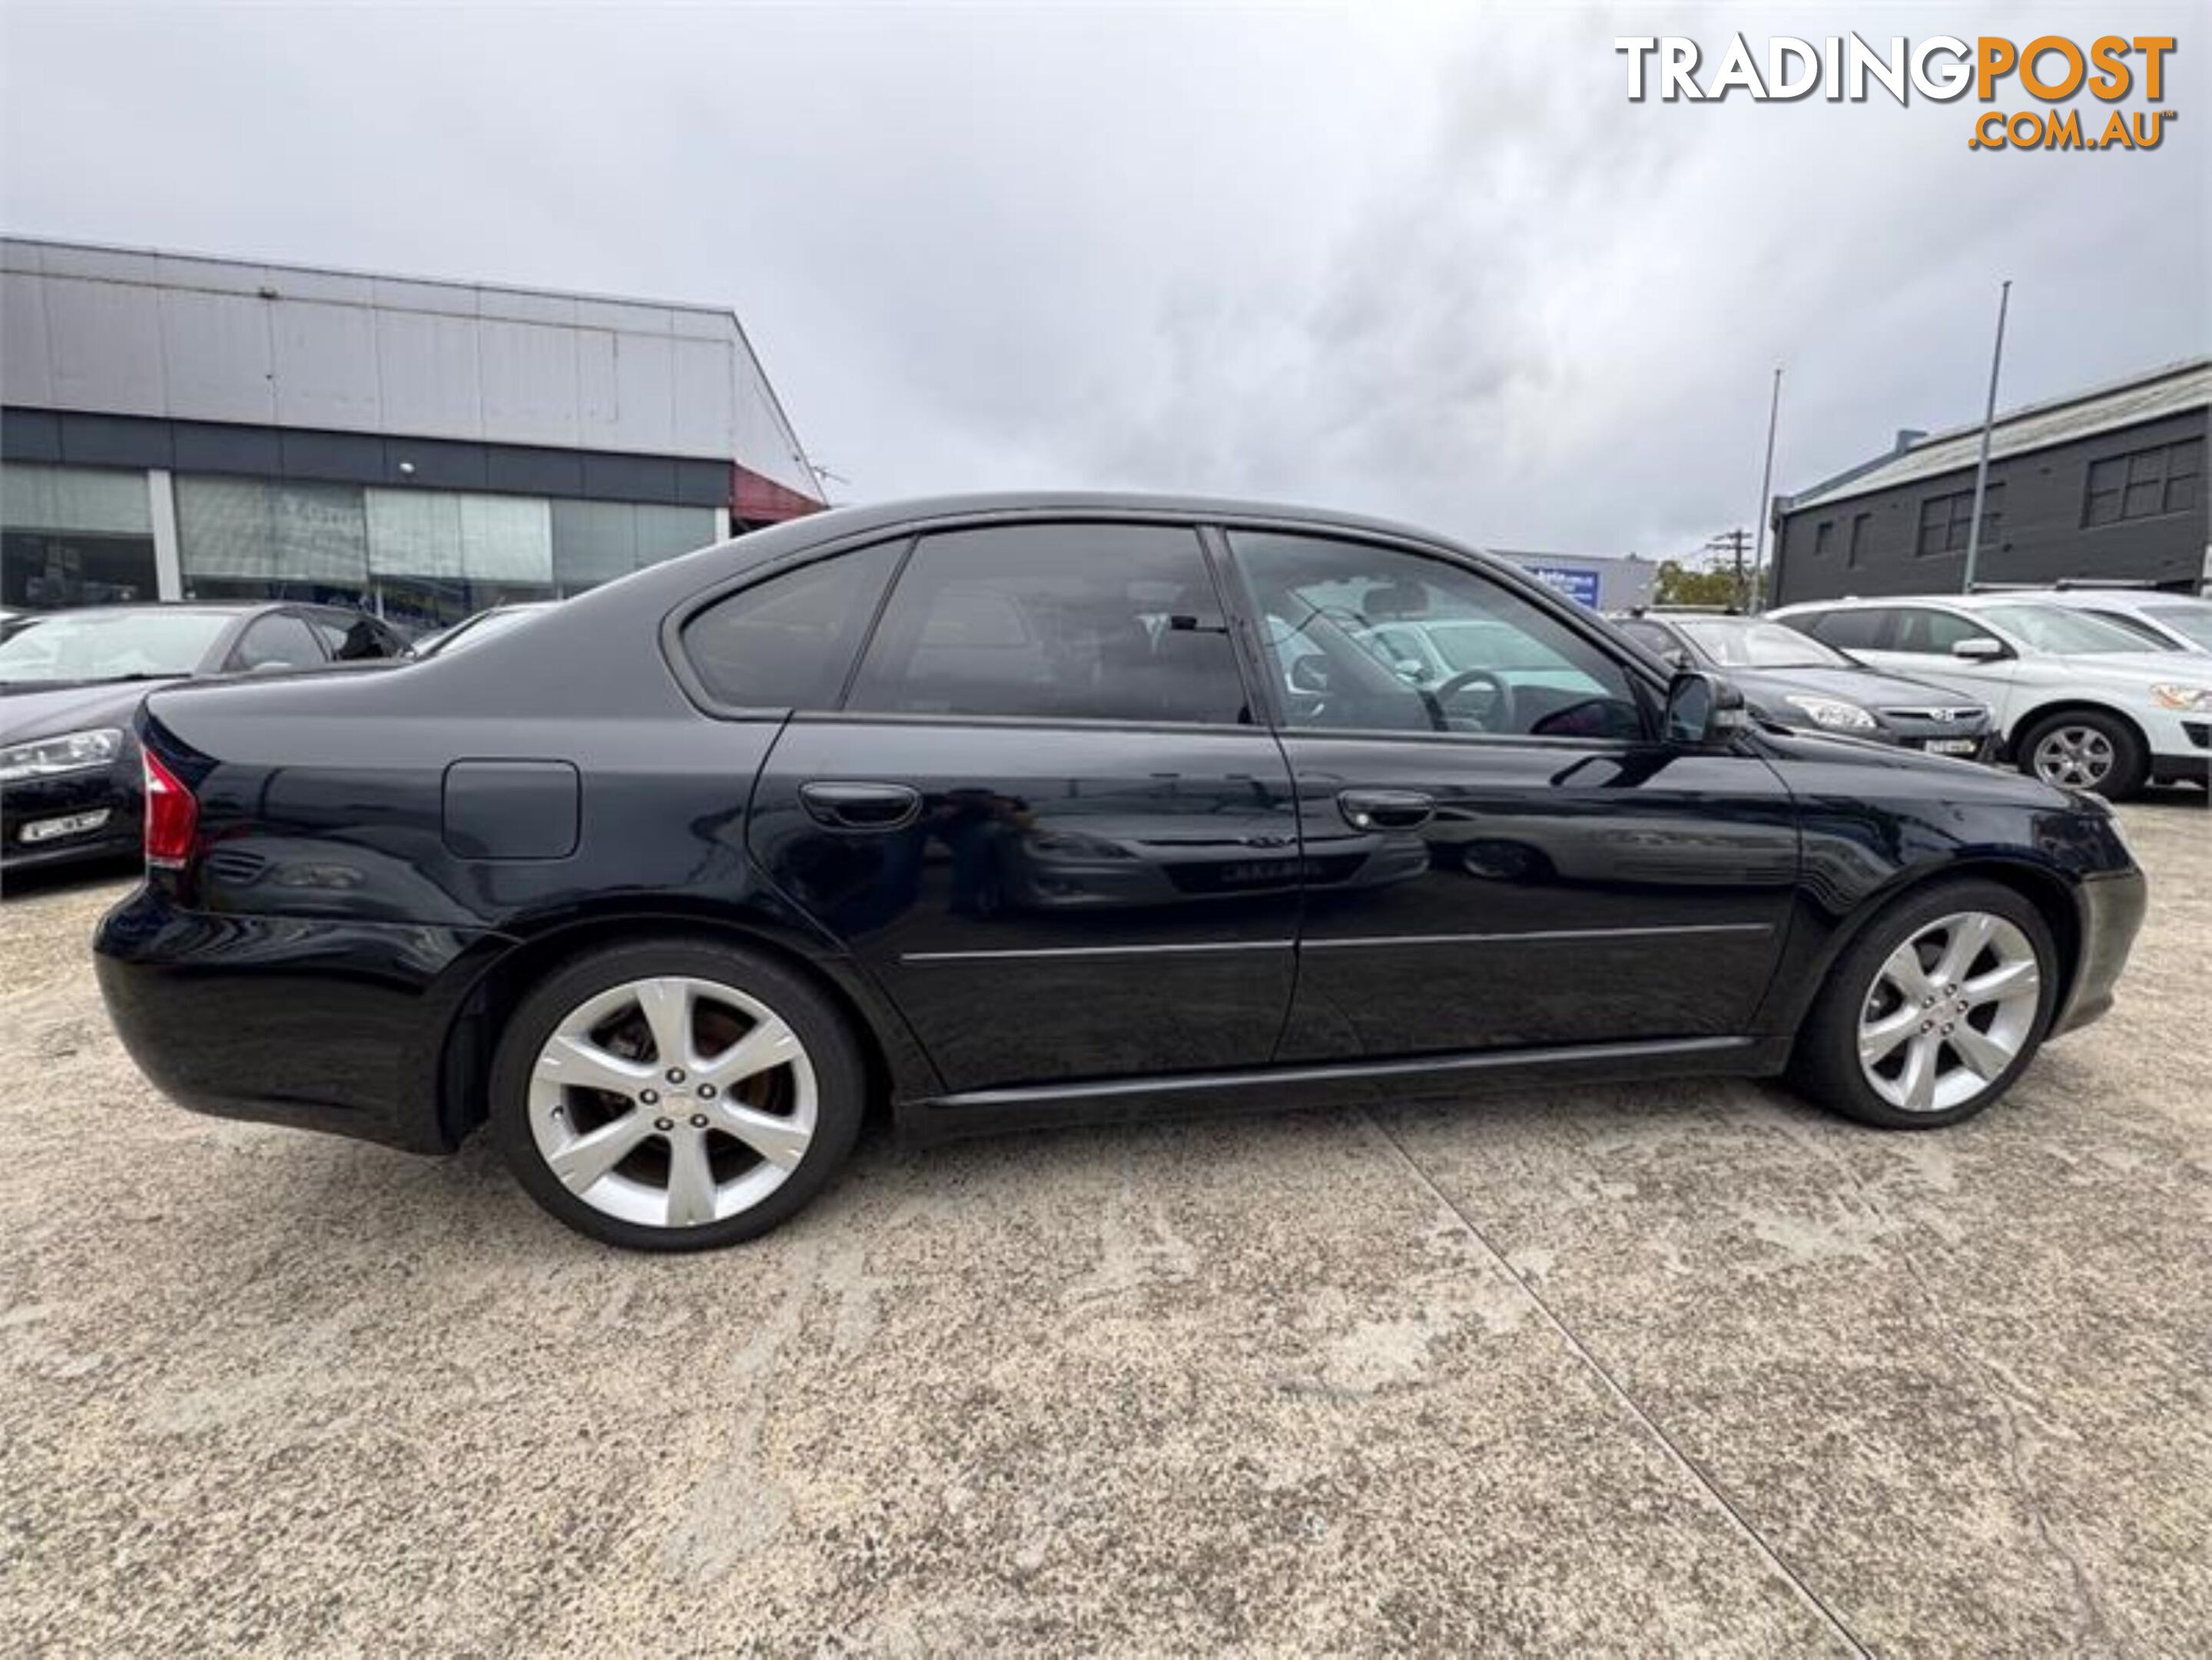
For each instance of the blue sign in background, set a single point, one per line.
(1580, 586)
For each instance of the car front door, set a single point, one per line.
(1919, 641)
(1047, 817)
(1507, 859)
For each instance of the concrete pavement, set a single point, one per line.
(1688, 1367)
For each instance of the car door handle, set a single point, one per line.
(861, 806)
(1385, 809)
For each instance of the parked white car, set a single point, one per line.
(2079, 701)
(2168, 621)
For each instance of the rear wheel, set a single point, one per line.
(1934, 1011)
(2085, 750)
(675, 1095)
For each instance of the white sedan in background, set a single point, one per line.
(2078, 700)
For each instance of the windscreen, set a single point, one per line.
(111, 646)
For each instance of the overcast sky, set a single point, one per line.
(1432, 264)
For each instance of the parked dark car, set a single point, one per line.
(1027, 810)
(1791, 680)
(71, 683)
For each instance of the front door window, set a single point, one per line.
(1366, 638)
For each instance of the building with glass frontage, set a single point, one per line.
(181, 427)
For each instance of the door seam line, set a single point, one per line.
(1736, 1519)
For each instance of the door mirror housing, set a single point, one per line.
(1702, 709)
(1309, 675)
(1978, 648)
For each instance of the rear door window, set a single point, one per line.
(788, 643)
(1868, 629)
(1056, 622)
(280, 640)
(1932, 633)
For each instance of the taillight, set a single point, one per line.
(173, 816)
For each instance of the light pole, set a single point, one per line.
(1766, 497)
(1981, 465)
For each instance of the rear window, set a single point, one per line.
(788, 643)
(1848, 630)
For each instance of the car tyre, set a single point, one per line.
(1989, 1018)
(2085, 749)
(804, 1110)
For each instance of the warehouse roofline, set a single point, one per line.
(27, 256)
(2170, 389)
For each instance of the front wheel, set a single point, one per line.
(1934, 1011)
(675, 1095)
(2085, 750)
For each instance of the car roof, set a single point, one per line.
(171, 607)
(1868, 601)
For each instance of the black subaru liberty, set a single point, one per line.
(1024, 810)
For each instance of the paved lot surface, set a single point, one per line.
(1684, 1367)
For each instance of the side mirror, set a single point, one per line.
(1702, 709)
(1677, 656)
(1309, 675)
(1978, 648)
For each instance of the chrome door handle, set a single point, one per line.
(1370, 809)
(865, 806)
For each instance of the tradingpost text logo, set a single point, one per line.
(2051, 70)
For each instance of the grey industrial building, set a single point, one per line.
(2107, 484)
(176, 427)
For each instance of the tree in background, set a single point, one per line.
(1682, 583)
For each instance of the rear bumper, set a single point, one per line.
(2111, 905)
(325, 1025)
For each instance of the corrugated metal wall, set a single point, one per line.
(152, 334)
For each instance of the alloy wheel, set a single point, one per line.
(1949, 1010)
(673, 1102)
(2080, 757)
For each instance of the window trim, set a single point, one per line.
(1547, 601)
(1212, 528)
(693, 606)
(1257, 720)
(2124, 461)
(254, 620)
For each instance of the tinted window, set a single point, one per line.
(1649, 634)
(2050, 628)
(350, 638)
(1848, 630)
(787, 644)
(1058, 622)
(279, 640)
(1934, 632)
(1338, 616)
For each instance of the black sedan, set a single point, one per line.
(70, 685)
(1026, 809)
(1791, 680)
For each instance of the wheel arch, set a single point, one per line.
(2024, 723)
(2052, 893)
(897, 1069)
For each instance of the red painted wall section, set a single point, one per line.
(756, 500)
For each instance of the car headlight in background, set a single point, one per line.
(2183, 697)
(68, 752)
(1834, 713)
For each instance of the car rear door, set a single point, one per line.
(1046, 816)
(1510, 861)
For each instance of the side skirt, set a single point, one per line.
(1353, 1083)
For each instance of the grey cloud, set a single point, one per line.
(1427, 264)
